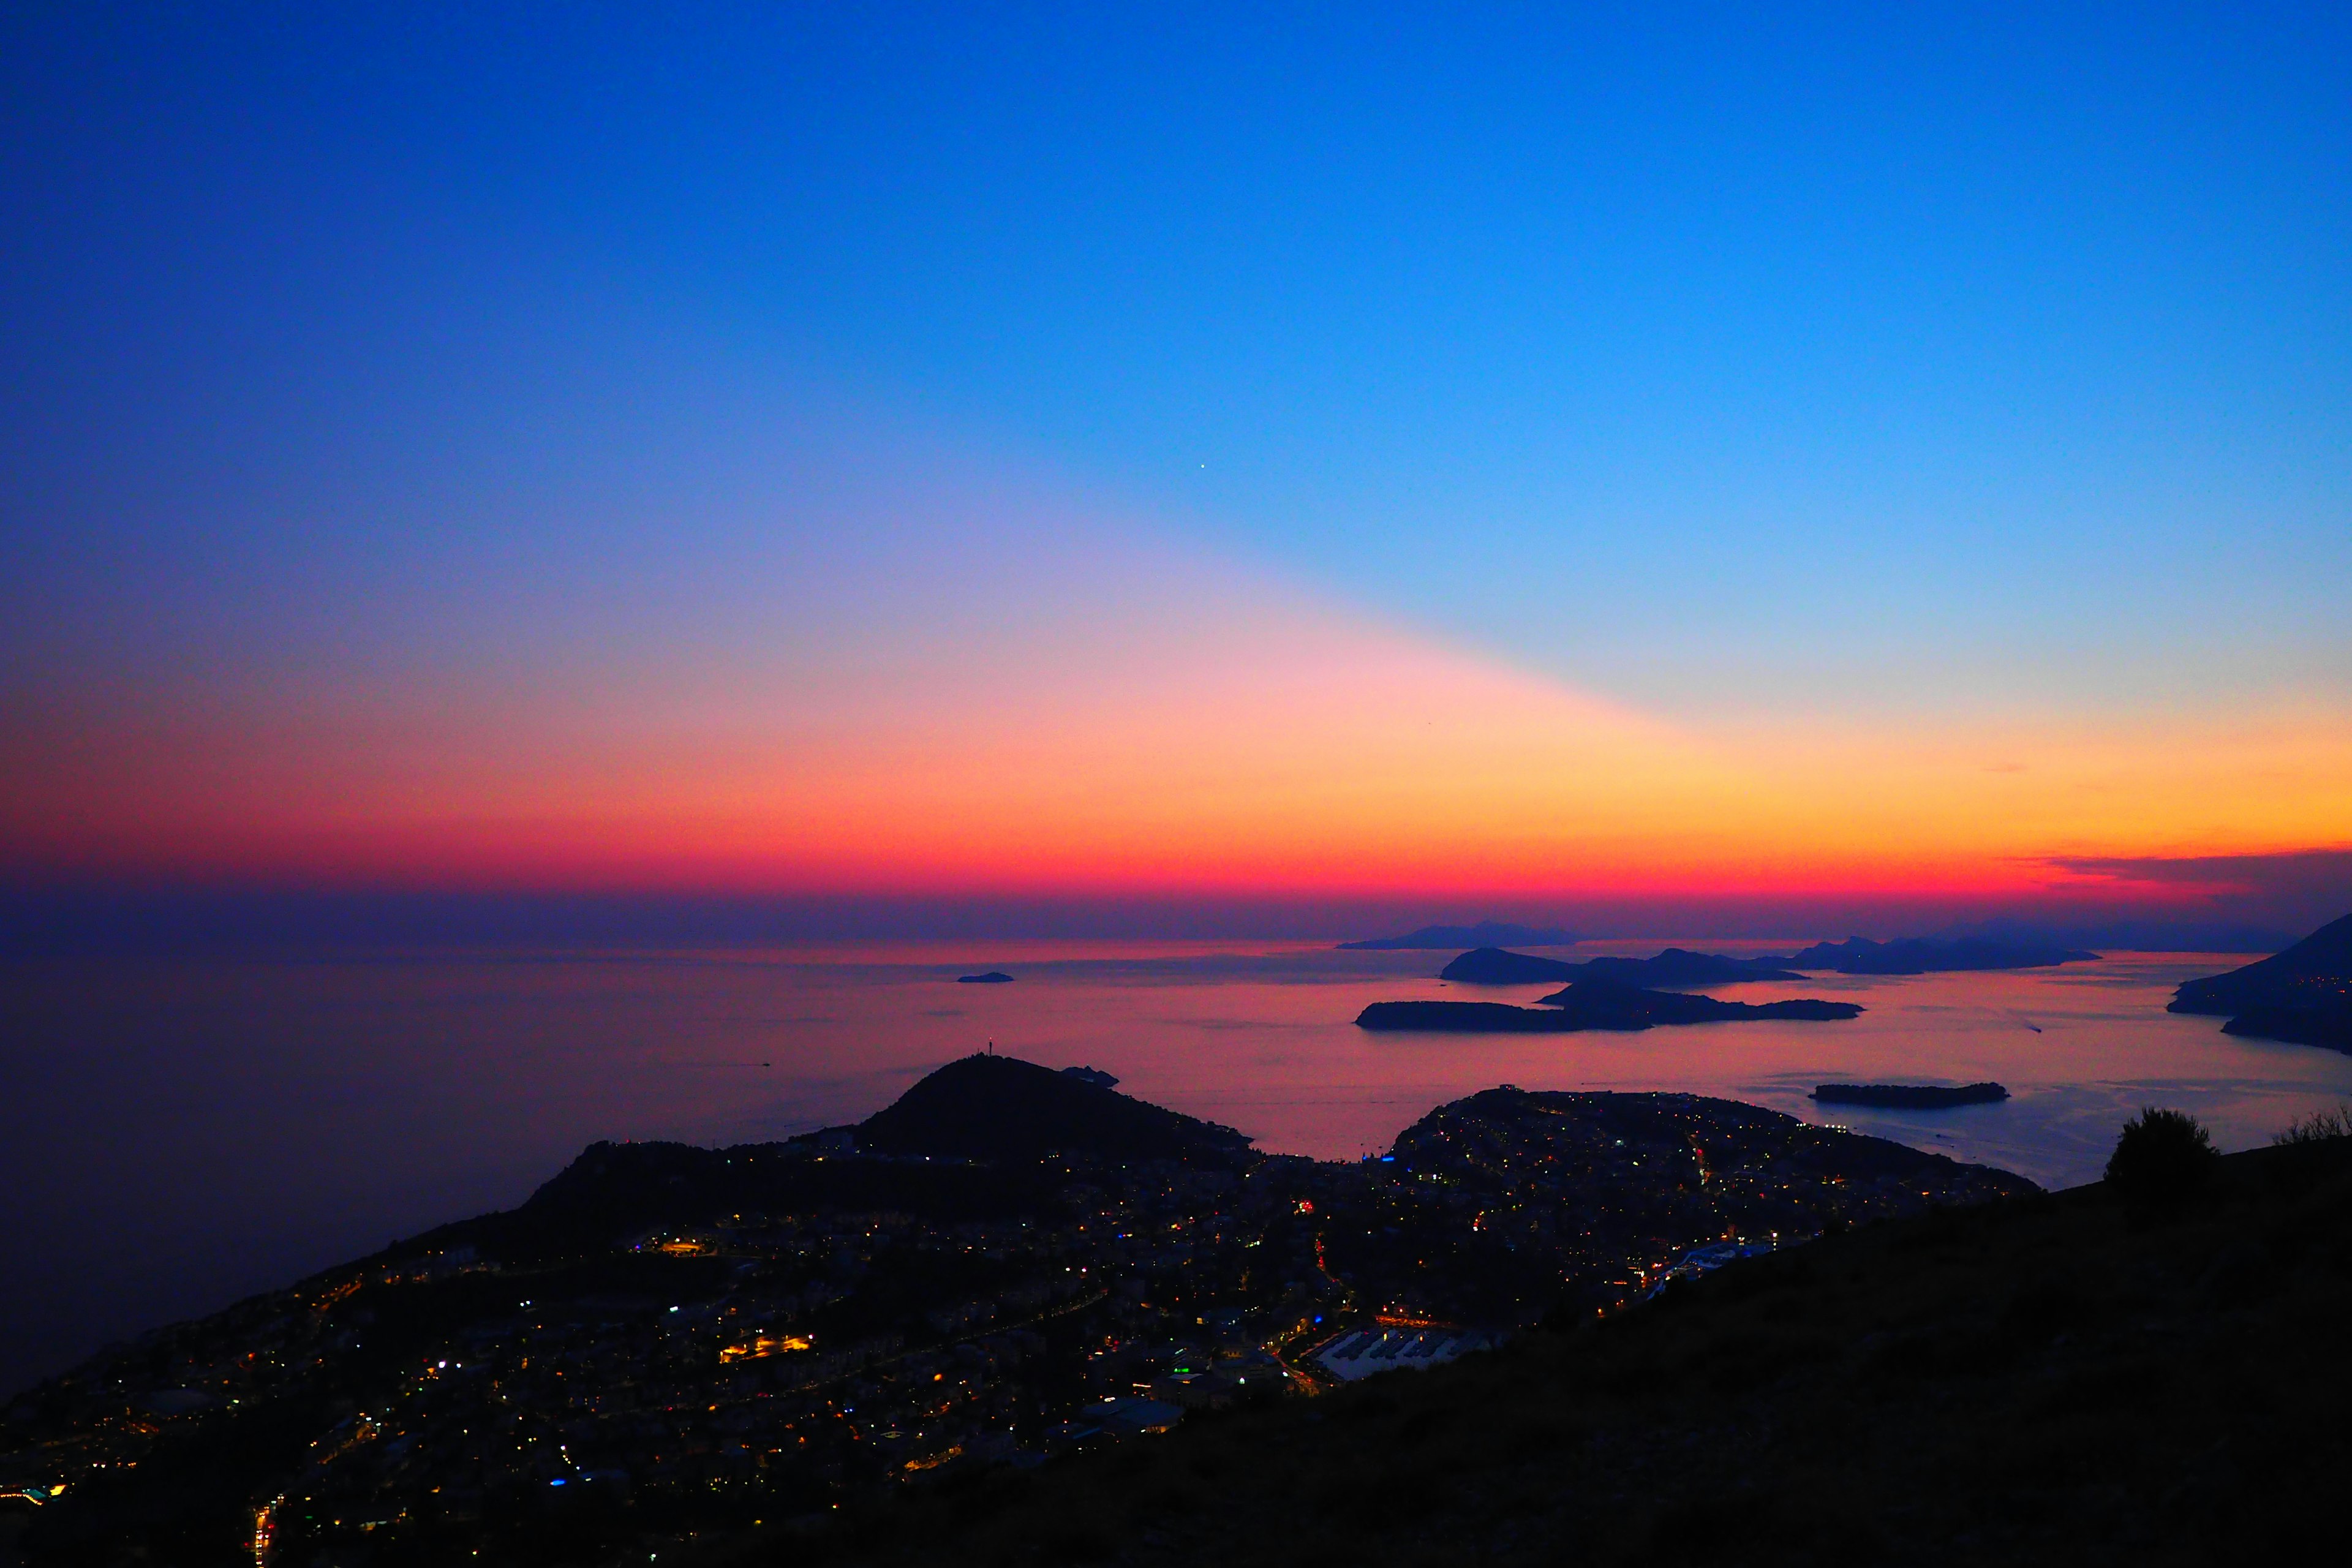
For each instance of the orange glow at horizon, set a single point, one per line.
(1182, 742)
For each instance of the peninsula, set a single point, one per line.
(2303, 995)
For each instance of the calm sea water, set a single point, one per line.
(174, 1134)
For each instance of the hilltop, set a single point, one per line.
(1004, 1109)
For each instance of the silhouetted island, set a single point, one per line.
(1676, 967)
(1926, 955)
(1591, 1003)
(1909, 1096)
(993, 977)
(1486, 934)
(2303, 997)
(1498, 966)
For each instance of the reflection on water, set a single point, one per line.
(178, 1134)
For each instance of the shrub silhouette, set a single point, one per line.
(2163, 1160)
(2319, 1127)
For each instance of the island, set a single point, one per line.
(1909, 1096)
(2302, 996)
(1592, 1004)
(993, 977)
(1676, 966)
(1486, 934)
(1499, 966)
(1926, 955)
(1673, 967)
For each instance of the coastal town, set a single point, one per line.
(619, 1362)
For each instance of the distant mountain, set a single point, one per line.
(2303, 995)
(999, 1108)
(1496, 966)
(1921, 955)
(1486, 934)
(1591, 1003)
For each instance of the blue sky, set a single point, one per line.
(1732, 364)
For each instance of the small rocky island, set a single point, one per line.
(1589, 1003)
(2303, 997)
(1909, 1095)
(993, 977)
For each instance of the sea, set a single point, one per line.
(178, 1134)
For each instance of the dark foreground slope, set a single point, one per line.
(2046, 1379)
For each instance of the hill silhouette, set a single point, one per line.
(1500, 966)
(1004, 1109)
(2303, 995)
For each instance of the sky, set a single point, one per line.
(1600, 463)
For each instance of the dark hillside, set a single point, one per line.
(2043, 1380)
(998, 1107)
(613, 1190)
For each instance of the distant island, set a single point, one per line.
(1591, 1003)
(993, 977)
(1674, 967)
(2302, 996)
(1499, 966)
(1926, 955)
(1486, 934)
(1909, 1096)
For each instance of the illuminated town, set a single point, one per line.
(620, 1366)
